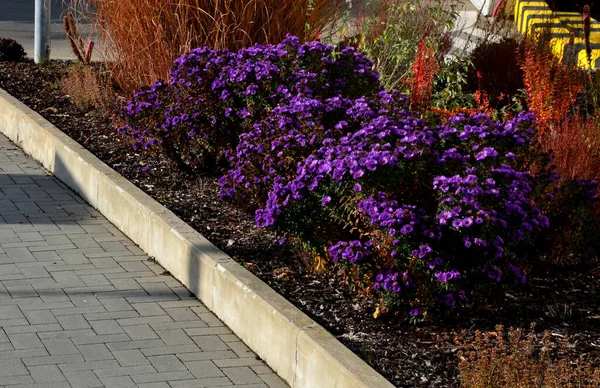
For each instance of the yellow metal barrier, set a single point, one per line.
(565, 29)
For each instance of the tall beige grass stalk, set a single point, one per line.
(143, 37)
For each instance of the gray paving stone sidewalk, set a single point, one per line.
(82, 306)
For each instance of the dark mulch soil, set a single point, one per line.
(408, 355)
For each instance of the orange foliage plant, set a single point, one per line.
(422, 76)
(551, 86)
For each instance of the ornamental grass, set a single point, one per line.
(145, 36)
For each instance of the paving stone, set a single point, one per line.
(202, 383)
(181, 314)
(177, 325)
(197, 331)
(13, 367)
(203, 369)
(105, 262)
(30, 236)
(273, 381)
(84, 300)
(148, 309)
(166, 363)
(87, 311)
(89, 365)
(261, 370)
(95, 280)
(229, 338)
(232, 362)
(162, 376)
(175, 337)
(67, 333)
(85, 242)
(20, 254)
(242, 375)
(102, 316)
(240, 349)
(35, 272)
(203, 356)
(10, 312)
(23, 291)
(108, 326)
(156, 351)
(142, 320)
(211, 343)
(101, 339)
(125, 371)
(95, 352)
(46, 373)
(118, 382)
(132, 357)
(125, 284)
(83, 379)
(8, 269)
(143, 344)
(13, 322)
(59, 346)
(210, 319)
(73, 322)
(50, 360)
(13, 380)
(25, 341)
(140, 332)
(154, 385)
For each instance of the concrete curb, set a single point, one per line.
(299, 350)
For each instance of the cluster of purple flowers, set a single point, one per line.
(352, 252)
(445, 277)
(213, 96)
(388, 214)
(589, 187)
(324, 154)
(393, 282)
(371, 134)
(311, 150)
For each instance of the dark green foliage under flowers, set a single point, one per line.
(574, 211)
(11, 50)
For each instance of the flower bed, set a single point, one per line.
(418, 214)
(391, 215)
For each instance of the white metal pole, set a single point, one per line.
(41, 44)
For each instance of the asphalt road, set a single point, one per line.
(23, 10)
(17, 22)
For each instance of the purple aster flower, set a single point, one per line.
(449, 299)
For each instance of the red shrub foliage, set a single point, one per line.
(576, 146)
(423, 72)
(551, 86)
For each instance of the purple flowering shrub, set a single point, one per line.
(213, 96)
(422, 214)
